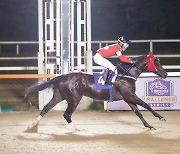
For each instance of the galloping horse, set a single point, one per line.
(73, 86)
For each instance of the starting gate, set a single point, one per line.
(64, 39)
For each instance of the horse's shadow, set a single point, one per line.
(117, 138)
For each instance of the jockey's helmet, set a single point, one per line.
(123, 42)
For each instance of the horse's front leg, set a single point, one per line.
(136, 100)
(146, 106)
(138, 113)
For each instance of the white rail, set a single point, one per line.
(18, 45)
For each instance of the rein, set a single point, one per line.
(125, 76)
(126, 71)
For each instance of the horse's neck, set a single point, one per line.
(135, 72)
(129, 70)
(141, 65)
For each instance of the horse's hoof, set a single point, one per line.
(152, 128)
(162, 119)
(73, 128)
(32, 129)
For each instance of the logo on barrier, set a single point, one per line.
(159, 93)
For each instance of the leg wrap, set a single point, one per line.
(44, 110)
(67, 117)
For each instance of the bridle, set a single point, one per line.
(150, 66)
(126, 72)
(152, 63)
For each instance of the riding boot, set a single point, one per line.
(108, 78)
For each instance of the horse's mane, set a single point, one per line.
(134, 60)
(139, 58)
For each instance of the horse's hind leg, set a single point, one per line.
(138, 113)
(72, 105)
(55, 99)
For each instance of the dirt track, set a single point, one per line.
(101, 132)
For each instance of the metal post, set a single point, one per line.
(46, 33)
(72, 34)
(89, 50)
(17, 49)
(49, 37)
(58, 37)
(84, 40)
(41, 48)
(79, 35)
(84, 44)
(151, 45)
(51, 25)
(65, 35)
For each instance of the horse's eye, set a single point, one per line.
(156, 62)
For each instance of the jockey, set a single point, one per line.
(102, 54)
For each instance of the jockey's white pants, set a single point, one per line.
(98, 59)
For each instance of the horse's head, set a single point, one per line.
(150, 63)
(154, 65)
(140, 64)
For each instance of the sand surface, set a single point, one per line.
(119, 132)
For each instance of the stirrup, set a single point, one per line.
(108, 78)
(108, 82)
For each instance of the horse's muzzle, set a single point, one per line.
(161, 73)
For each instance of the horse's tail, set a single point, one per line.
(40, 87)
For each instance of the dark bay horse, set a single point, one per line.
(73, 86)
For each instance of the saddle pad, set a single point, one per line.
(99, 79)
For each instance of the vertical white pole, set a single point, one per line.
(45, 54)
(58, 36)
(89, 50)
(51, 25)
(69, 37)
(65, 34)
(41, 49)
(62, 60)
(72, 34)
(106, 105)
(79, 35)
(151, 46)
(84, 31)
(85, 26)
(49, 35)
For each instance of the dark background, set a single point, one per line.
(136, 19)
